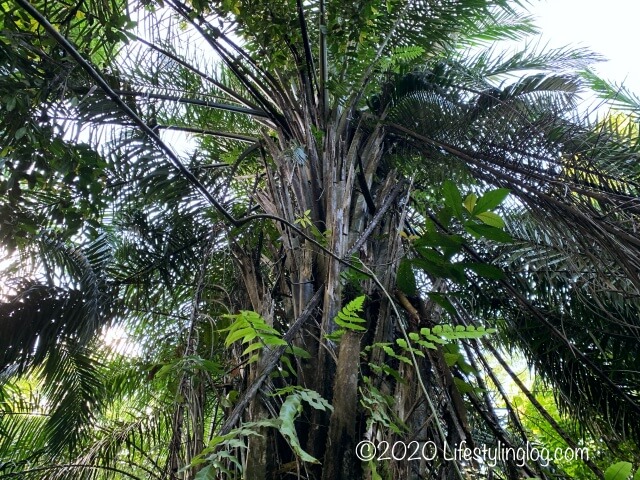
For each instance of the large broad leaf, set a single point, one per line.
(492, 219)
(489, 232)
(485, 270)
(452, 198)
(618, 471)
(490, 200)
(406, 279)
(291, 408)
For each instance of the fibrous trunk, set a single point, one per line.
(356, 210)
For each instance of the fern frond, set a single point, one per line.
(348, 317)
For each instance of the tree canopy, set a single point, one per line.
(311, 224)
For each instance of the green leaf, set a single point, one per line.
(348, 317)
(350, 325)
(491, 218)
(404, 359)
(490, 200)
(247, 334)
(374, 472)
(21, 132)
(487, 231)
(438, 239)
(270, 339)
(432, 255)
(452, 198)
(457, 273)
(465, 368)
(207, 473)
(618, 471)
(314, 399)
(444, 217)
(486, 270)
(637, 475)
(470, 202)
(406, 279)
(290, 410)
(11, 104)
(298, 352)
(429, 345)
(335, 336)
(288, 368)
(462, 386)
(388, 350)
(443, 301)
(253, 358)
(451, 358)
(252, 347)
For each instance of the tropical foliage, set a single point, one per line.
(309, 224)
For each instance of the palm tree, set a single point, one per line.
(316, 138)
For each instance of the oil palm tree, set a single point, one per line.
(314, 142)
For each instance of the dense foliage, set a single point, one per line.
(241, 236)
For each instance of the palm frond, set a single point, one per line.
(619, 96)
